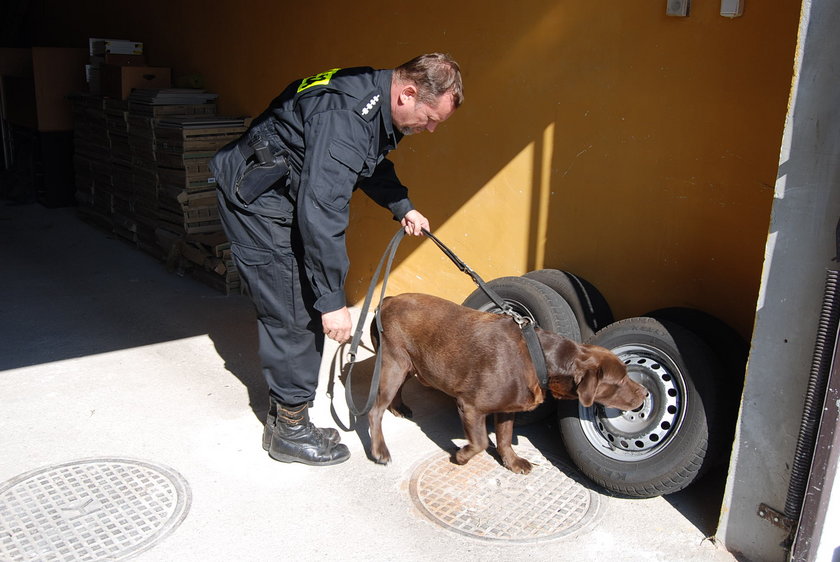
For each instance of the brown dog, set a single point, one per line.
(481, 359)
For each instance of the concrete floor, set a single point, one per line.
(105, 354)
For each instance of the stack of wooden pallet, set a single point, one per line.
(143, 117)
(122, 177)
(141, 172)
(92, 160)
(187, 192)
(184, 146)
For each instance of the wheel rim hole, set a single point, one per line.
(640, 444)
(654, 437)
(611, 438)
(624, 444)
(672, 392)
(672, 409)
(666, 377)
(665, 425)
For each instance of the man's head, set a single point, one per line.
(425, 91)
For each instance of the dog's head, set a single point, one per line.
(595, 374)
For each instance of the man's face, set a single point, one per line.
(411, 117)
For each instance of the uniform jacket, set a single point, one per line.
(335, 129)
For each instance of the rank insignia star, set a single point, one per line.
(373, 101)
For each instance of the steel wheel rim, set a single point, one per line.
(642, 433)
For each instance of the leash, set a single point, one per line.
(524, 323)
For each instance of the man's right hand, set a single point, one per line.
(337, 324)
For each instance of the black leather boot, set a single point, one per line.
(296, 439)
(331, 434)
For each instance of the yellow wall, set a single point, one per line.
(634, 149)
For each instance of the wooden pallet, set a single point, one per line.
(146, 110)
(195, 140)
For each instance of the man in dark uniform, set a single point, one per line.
(284, 193)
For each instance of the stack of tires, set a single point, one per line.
(691, 363)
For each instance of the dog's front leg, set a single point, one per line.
(504, 438)
(475, 429)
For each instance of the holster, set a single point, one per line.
(242, 177)
(258, 177)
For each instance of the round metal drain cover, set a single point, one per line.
(484, 500)
(91, 509)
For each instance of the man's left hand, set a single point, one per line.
(414, 223)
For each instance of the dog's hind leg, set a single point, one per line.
(504, 437)
(475, 429)
(392, 376)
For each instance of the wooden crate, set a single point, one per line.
(192, 180)
(179, 109)
(175, 140)
(193, 161)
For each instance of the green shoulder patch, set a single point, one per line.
(320, 79)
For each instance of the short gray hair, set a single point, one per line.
(434, 74)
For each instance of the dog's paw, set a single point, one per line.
(382, 458)
(464, 454)
(518, 465)
(401, 411)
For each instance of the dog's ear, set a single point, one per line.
(562, 387)
(588, 386)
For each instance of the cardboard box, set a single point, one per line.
(36, 96)
(100, 46)
(118, 81)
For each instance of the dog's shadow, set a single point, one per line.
(434, 412)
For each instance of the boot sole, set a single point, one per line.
(291, 459)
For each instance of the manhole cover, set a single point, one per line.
(91, 509)
(482, 499)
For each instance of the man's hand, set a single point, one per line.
(414, 223)
(337, 324)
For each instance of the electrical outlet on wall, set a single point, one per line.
(677, 7)
(731, 8)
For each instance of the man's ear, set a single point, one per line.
(408, 92)
(587, 386)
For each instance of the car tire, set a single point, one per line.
(661, 447)
(541, 304)
(588, 304)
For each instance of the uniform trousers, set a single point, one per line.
(268, 254)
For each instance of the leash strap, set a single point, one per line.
(390, 251)
(525, 324)
(459, 263)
